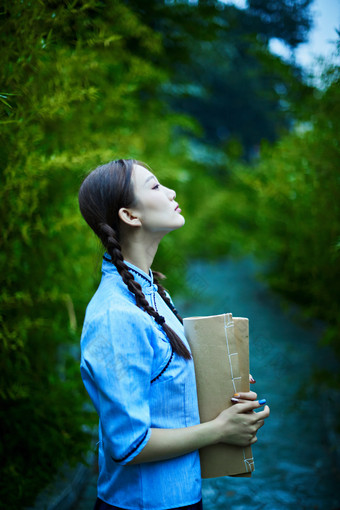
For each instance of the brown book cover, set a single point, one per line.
(220, 349)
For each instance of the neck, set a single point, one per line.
(140, 250)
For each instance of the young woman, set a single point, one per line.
(135, 360)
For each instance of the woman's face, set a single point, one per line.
(155, 205)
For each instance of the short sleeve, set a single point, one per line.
(116, 368)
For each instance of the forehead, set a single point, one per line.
(140, 175)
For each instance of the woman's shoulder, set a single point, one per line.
(110, 297)
(112, 319)
(113, 303)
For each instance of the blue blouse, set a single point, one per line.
(136, 382)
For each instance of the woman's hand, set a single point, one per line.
(238, 425)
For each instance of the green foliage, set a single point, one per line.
(295, 210)
(73, 97)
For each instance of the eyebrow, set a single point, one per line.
(149, 179)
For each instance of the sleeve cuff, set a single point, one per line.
(134, 451)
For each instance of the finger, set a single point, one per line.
(259, 424)
(251, 379)
(244, 397)
(239, 400)
(261, 415)
(249, 405)
(253, 440)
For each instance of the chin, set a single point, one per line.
(181, 221)
(179, 224)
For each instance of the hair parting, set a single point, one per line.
(103, 192)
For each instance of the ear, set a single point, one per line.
(128, 217)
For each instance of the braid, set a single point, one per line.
(161, 290)
(109, 239)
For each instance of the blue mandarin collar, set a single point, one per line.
(145, 280)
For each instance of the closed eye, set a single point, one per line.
(156, 186)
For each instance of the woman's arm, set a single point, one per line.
(236, 425)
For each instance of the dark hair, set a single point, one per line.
(103, 192)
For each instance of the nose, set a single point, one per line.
(171, 193)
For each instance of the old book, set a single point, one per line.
(220, 349)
